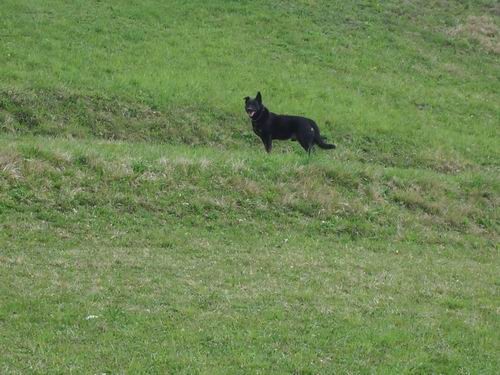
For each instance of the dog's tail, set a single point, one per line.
(320, 141)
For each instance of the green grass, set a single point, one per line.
(143, 229)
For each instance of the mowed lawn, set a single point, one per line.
(143, 229)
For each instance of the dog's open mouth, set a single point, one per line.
(250, 113)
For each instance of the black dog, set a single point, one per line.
(269, 126)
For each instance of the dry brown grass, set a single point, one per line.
(7, 122)
(10, 164)
(482, 29)
(248, 187)
(314, 199)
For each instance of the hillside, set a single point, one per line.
(143, 229)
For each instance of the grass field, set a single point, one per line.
(143, 229)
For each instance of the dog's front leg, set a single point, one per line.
(268, 143)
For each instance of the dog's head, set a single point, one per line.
(253, 107)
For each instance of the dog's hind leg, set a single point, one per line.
(306, 142)
(307, 138)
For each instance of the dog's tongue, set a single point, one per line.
(251, 113)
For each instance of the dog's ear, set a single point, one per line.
(246, 98)
(259, 97)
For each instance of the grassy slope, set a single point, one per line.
(217, 258)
